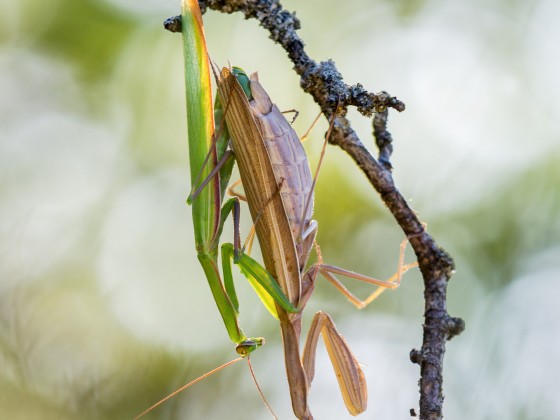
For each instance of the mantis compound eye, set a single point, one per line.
(243, 80)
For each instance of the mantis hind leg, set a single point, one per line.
(329, 271)
(232, 191)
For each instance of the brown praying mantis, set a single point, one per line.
(279, 188)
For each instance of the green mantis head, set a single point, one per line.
(243, 80)
(247, 346)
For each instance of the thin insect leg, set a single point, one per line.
(236, 229)
(200, 378)
(261, 211)
(227, 155)
(312, 189)
(231, 191)
(313, 124)
(328, 271)
(259, 389)
(395, 278)
(296, 114)
(230, 206)
(248, 244)
(211, 153)
(313, 226)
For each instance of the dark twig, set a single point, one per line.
(383, 138)
(325, 84)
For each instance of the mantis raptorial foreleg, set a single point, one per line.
(350, 377)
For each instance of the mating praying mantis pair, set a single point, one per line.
(279, 191)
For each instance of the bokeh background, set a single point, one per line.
(103, 306)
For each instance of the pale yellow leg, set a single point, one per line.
(248, 245)
(313, 124)
(233, 193)
(329, 271)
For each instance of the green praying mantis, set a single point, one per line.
(205, 151)
(279, 191)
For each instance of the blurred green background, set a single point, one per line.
(103, 306)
